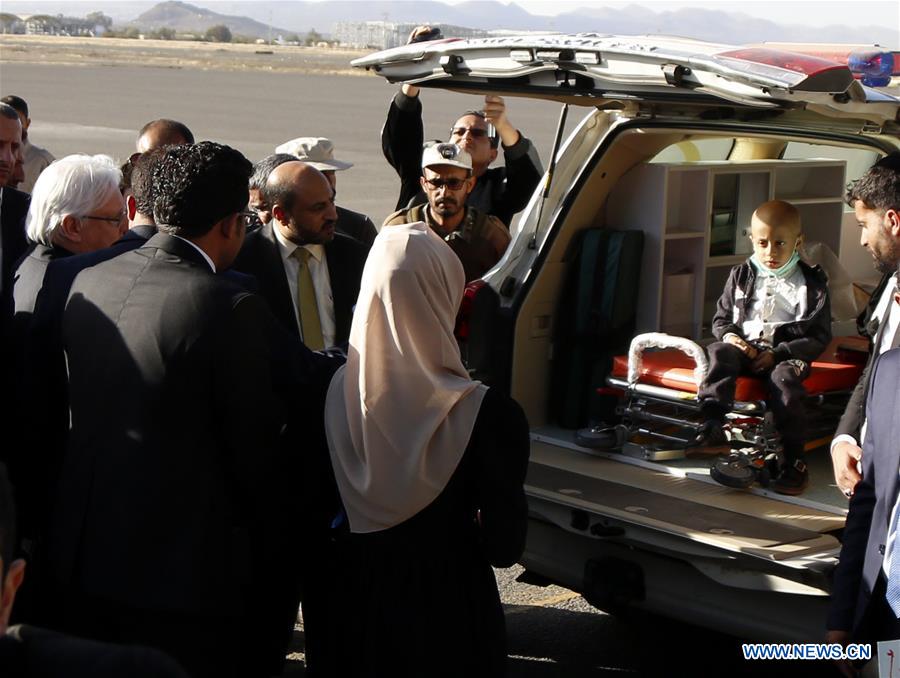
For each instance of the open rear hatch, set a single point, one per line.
(592, 69)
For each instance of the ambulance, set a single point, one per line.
(643, 210)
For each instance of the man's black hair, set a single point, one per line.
(879, 188)
(173, 130)
(126, 168)
(198, 185)
(495, 139)
(17, 103)
(7, 523)
(7, 111)
(142, 179)
(264, 167)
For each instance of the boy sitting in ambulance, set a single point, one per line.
(772, 320)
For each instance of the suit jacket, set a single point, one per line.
(869, 324)
(866, 531)
(31, 652)
(357, 225)
(45, 279)
(261, 258)
(28, 280)
(179, 386)
(13, 210)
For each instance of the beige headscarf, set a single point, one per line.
(400, 413)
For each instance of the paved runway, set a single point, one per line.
(97, 109)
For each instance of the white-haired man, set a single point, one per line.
(76, 207)
(319, 152)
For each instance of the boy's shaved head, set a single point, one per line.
(779, 214)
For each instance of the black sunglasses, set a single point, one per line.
(453, 184)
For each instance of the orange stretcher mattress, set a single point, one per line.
(673, 369)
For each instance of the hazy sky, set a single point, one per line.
(810, 12)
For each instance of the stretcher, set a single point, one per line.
(660, 413)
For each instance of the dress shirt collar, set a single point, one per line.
(287, 248)
(199, 249)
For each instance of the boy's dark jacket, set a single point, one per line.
(804, 339)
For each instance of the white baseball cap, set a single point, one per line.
(315, 151)
(446, 154)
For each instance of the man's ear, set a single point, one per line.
(893, 222)
(494, 152)
(11, 585)
(470, 182)
(70, 228)
(422, 182)
(131, 206)
(279, 213)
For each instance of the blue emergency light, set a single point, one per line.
(875, 68)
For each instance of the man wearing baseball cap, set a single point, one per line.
(319, 152)
(478, 239)
(501, 191)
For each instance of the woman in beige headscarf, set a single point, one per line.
(430, 467)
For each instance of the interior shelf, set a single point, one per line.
(696, 221)
(679, 235)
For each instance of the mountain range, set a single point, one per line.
(250, 17)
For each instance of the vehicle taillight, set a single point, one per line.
(875, 67)
(465, 309)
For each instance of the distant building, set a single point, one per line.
(44, 24)
(387, 34)
(11, 23)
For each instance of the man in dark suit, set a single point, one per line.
(875, 199)
(300, 262)
(319, 152)
(865, 596)
(32, 652)
(13, 204)
(168, 515)
(42, 401)
(76, 207)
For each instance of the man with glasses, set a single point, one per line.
(76, 207)
(501, 191)
(478, 239)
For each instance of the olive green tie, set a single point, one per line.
(306, 301)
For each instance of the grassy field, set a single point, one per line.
(36, 49)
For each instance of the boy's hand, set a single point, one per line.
(764, 361)
(746, 348)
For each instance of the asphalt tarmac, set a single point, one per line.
(98, 109)
(552, 632)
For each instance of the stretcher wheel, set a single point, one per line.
(601, 437)
(736, 470)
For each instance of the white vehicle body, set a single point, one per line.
(659, 536)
